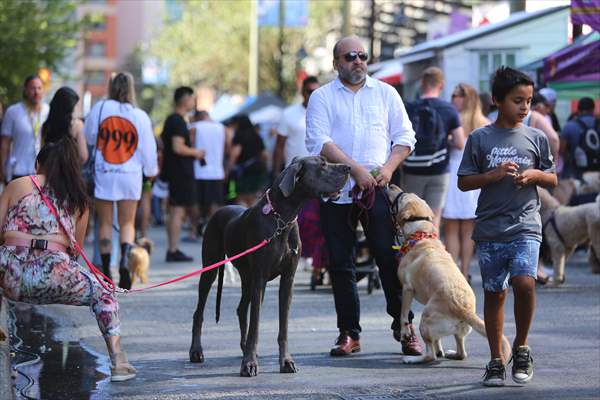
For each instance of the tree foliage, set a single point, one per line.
(209, 45)
(33, 34)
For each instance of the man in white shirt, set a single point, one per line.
(209, 173)
(291, 132)
(361, 122)
(22, 130)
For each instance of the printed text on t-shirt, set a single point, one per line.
(498, 155)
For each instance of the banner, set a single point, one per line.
(295, 13)
(586, 12)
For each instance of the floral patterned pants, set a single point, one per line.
(52, 277)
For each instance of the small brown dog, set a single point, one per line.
(139, 260)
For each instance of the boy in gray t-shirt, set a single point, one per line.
(507, 160)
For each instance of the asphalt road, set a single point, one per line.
(156, 329)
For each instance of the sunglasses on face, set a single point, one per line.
(454, 95)
(352, 55)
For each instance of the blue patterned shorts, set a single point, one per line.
(499, 261)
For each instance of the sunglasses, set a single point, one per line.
(352, 55)
(454, 95)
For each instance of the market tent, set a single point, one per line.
(574, 71)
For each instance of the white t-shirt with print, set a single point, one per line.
(125, 148)
(210, 136)
(24, 127)
(293, 127)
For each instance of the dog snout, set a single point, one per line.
(341, 168)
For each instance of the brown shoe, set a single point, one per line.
(410, 343)
(345, 345)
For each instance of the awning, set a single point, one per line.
(389, 71)
(580, 62)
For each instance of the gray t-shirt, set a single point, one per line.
(504, 211)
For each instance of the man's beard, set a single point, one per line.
(353, 77)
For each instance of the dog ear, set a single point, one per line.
(289, 178)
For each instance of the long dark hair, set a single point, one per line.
(58, 123)
(58, 161)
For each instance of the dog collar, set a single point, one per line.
(413, 239)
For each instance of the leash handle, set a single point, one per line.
(104, 281)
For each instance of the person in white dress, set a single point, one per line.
(125, 151)
(459, 208)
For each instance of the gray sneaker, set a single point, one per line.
(522, 367)
(495, 373)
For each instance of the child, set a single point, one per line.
(507, 160)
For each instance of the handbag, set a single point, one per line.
(88, 169)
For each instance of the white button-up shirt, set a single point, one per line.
(365, 125)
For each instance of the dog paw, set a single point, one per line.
(196, 356)
(249, 368)
(453, 355)
(288, 367)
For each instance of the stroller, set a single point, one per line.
(364, 262)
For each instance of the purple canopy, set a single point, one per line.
(574, 63)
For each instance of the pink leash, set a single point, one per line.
(111, 287)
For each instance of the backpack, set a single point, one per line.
(431, 150)
(587, 152)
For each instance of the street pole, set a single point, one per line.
(253, 47)
(347, 20)
(372, 31)
(280, 82)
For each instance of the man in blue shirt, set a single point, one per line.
(572, 149)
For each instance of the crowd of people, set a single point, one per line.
(463, 157)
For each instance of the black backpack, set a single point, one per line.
(587, 152)
(431, 150)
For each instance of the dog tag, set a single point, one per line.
(267, 208)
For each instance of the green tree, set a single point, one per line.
(33, 34)
(209, 45)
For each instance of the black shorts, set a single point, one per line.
(210, 192)
(182, 191)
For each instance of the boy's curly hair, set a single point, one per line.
(505, 79)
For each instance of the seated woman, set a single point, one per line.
(37, 259)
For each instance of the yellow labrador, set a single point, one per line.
(429, 274)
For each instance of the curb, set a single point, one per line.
(6, 386)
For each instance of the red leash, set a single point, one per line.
(109, 285)
(215, 265)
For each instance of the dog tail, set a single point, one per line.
(479, 326)
(219, 292)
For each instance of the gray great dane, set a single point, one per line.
(234, 229)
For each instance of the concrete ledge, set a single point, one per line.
(6, 386)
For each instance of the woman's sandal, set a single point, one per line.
(120, 369)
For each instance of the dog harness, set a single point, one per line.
(415, 238)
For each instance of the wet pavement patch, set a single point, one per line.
(49, 369)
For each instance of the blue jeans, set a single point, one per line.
(338, 223)
(499, 261)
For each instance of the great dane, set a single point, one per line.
(234, 229)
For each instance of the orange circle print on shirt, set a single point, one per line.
(117, 140)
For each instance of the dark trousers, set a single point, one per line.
(338, 222)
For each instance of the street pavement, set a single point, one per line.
(156, 329)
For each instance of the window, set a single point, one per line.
(95, 78)
(97, 22)
(489, 61)
(95, 49)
